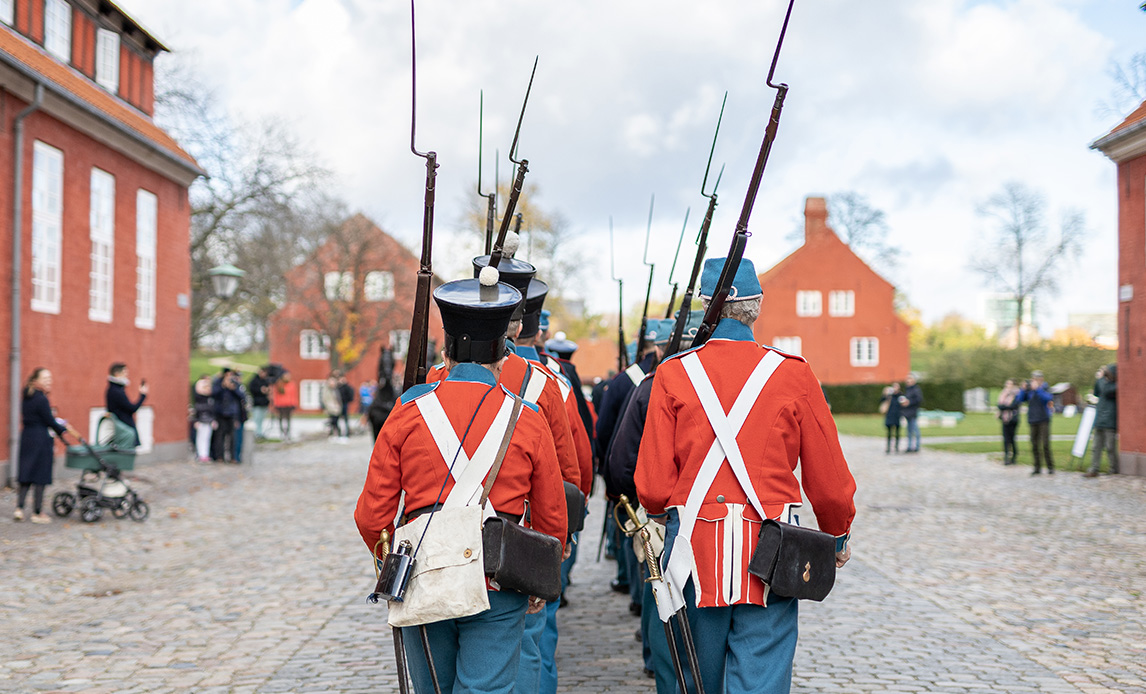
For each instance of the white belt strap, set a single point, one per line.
(468, 474)
(535, 383)
(635, 374)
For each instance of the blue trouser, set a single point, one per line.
(548, 647)
(471, 654)
(747, 648)
(237, 451)
(529, 663)
(633, 569)
(912, 433)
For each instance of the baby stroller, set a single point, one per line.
(101, 486)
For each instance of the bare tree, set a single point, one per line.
(1129, 86)
(863, 227)
(1019, 257)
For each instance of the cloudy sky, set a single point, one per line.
(926, 108)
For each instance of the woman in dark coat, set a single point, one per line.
(892, 413)
(36, 447)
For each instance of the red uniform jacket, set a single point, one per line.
(580, 437)
(406, 459)
(790, 422)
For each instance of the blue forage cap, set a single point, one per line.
(543, 324)
(658, 331)
(745, 285)
(691, 326)
(631, 350)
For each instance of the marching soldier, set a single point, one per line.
(560, 348)
(726, 425)
(435, 435)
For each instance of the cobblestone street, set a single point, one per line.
(966, 576)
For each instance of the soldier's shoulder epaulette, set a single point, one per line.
(418, 391)
(438, 367)
(678, 355)
(531, 405)
(785, 354)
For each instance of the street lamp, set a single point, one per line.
(225, 280)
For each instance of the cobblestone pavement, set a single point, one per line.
(967, 577)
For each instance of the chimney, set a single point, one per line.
(815, 219)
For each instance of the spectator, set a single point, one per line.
(346, 398)
(259, 388)
(35, 467)
(286, 401)
(909, 403)
(1008, 414)
(116, 399)
(365, 397)
(892, 413)
(332, 406)
(204, 418)
(1038, 417)
(1105, 396)
(240, 423)
(229, 399)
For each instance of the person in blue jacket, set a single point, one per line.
(1039, 409)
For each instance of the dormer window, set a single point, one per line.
(107, 60)
(58, 29)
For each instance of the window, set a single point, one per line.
(339, 285)
(809, 303)
(399, 343)
(107, 60)
(310, 395)
(146, 240)
(842, 303)
(313, 345)
(47, 216)
(865, 351)
(6, 11)
(379, 286)
(101, 221)
(58, 29)
(788, 345)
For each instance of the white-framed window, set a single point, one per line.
(146, 242)
(310, 394)
(842, 303)
(809, 303)
(47, 226)
(58, 29)
(313, 345)
(338, 285)
(107, 60)
(379, 286)
(789, 345)
(865, 351)
(399, 342)
(101, 221)
(7, 9)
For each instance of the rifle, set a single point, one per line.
(518, 181)
(701, 243)
(623, 353)
(649, 291)
(740, 237)
(676, 285)
(491, 197)
(420, 328)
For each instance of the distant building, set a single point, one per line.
(104, 220)
(1125, 145)
(360, 286)
(1000, 314)
(825, 304)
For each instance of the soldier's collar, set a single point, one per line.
(472, 373)
(732, 329)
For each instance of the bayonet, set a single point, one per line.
(649, 290)
(491, 197)
(672, 270)
(518, 181)
(622, 352)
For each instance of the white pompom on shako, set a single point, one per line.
(512, 242)
(488, 276)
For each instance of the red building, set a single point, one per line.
(352, 298)
(97, 217)
(825, 304)
(1125, 145)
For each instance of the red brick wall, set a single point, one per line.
(77, 350)
(1132, 314)
(83, 44)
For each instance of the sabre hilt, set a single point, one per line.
(650, 558)
(623, 502)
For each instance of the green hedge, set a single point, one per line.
(863, 398)
(989, 367)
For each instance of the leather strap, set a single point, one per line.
(500, 458)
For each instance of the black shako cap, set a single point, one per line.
(534, 300)
(516, 273)
(475, 319)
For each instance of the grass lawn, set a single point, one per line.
(972, 424)
(200, 362)
(1059, 449)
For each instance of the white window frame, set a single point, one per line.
(47, 226)
(864, 351)
(379, 286)
(101, 223)
(338, 286)
(313, 345)
(7, 11)
(310, 394)
(107, 60)
(399, 343)
(789, 345)
(58, 29)
(146, 257)
(809, 303)
(842, 303)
